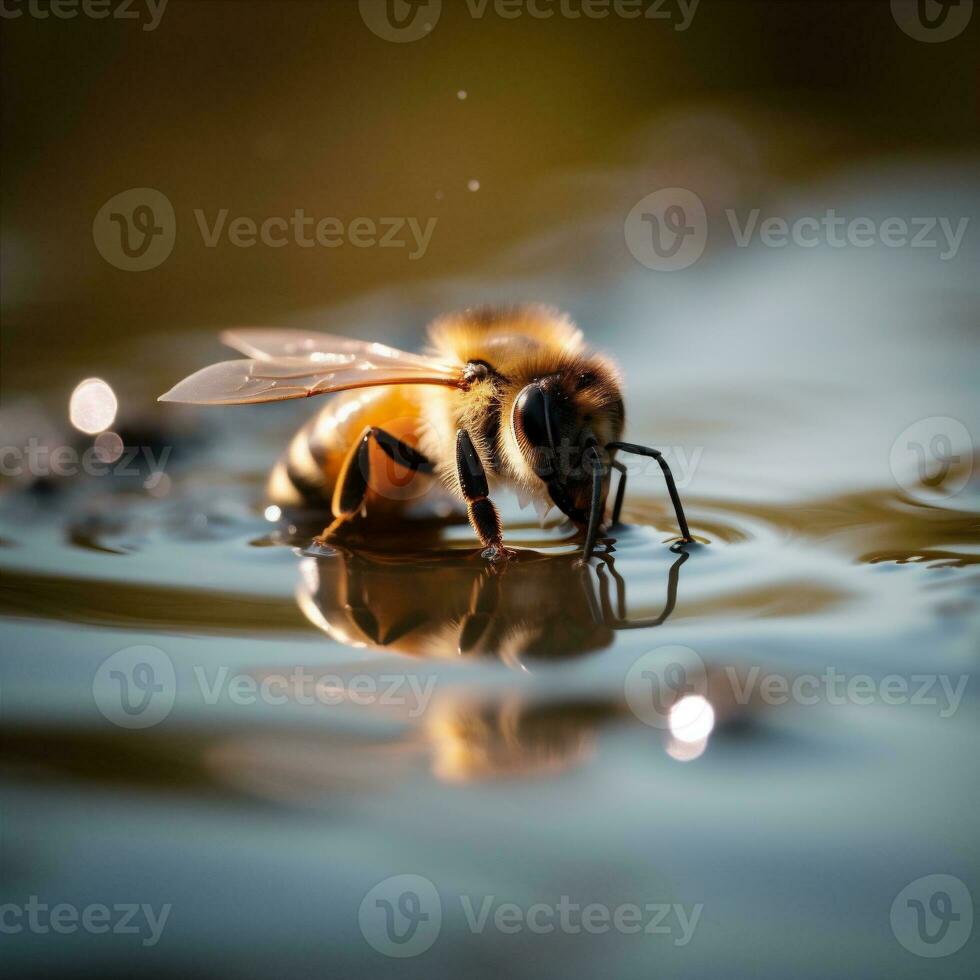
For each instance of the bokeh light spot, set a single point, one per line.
(92, 408)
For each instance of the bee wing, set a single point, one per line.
(264, 344)
(251, 381)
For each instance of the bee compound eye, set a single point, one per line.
(537, 425)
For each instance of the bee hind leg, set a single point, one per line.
(354, 480)
(479, 507)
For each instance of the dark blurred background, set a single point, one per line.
(266, 107)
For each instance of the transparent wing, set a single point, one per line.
(251, 381)
(265, 344)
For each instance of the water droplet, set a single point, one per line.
(461, 95)
(473, 185)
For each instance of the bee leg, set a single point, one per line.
(482, 513)
(620, 468)
(629, 447)
(402, 453)
(355, 474)
(595, 505)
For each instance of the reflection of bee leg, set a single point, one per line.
(629, 447)
(356, 602)
(482, 513)
(484, 600)
(355, 474)
(618, 620)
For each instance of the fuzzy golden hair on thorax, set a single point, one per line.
(501, 335)
(522, 344)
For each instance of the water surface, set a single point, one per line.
(479, 727)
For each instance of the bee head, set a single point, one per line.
(560, 420)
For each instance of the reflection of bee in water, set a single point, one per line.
(532, 611)
(513, 738)
(508, 397)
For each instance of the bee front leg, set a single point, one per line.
(482, 513)
(675, 499)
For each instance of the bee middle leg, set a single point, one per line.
(479, 507)
(355, 474)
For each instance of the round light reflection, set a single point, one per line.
(692, 718)
(93, 406)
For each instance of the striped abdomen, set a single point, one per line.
(306, 475)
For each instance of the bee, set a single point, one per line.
(504, 397)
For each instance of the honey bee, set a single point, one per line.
(504, 397)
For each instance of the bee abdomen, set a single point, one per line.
(298, 478)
